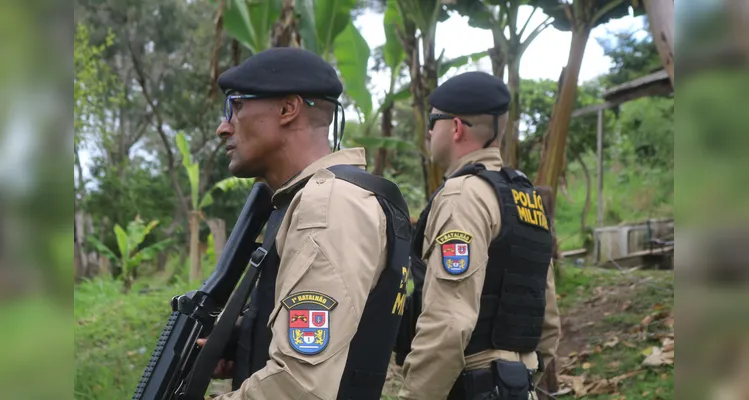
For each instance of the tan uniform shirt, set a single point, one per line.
(331, 241)
(451, 302)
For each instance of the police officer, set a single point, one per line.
(481, 260)
(320, 322)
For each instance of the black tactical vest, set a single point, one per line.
(513, 299)
(369, 353)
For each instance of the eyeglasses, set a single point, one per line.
(229, 102)
(433, 118)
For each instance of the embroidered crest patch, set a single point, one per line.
(309, 321)
(456, 255)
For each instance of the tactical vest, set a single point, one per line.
(513, 298)
(369, 353)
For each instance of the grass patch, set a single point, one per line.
(115, 334)
(630, 195)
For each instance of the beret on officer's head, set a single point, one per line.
(282, 71)
(472, 93)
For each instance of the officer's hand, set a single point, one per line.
(224, 369)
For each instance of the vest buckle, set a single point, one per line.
(258, 256)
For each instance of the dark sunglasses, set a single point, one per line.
(433, 118)
(229, 102)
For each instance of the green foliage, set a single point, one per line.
(648, 125)
(352, 54)
(576, 14)
(633, 192)
(115, 333)
(331, 18)
(394, 53)
(390, 143)
(192, 169)
(93, 82)
(131, 254)
(250, 22)
(537, 100)
(631, 57)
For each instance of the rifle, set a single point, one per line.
(179, 369)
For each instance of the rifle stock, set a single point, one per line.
(194, 314)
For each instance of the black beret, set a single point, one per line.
(472, 93)
(282, 71)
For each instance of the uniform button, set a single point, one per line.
(320, 181)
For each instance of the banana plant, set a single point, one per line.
(510, 43)
(197, 203)
(128, 243)
(325, 28)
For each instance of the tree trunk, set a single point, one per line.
(434, 172)
(510, 147)
(411, 47)
(498, 61)
(218, 230)
(387, 131)
(556, 144)
(196, 272)
(286, 29)
(661, 18)
(549, 203)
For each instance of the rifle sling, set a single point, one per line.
(208, 358)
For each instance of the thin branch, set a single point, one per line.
(216, 49)
(141, 131)
(540, 28)
(159, 127)
(512, 21)
(527, 21)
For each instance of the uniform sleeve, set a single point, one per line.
(461, 225)
(552, 322)
(333, 253)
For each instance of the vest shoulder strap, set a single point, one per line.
(373, 183)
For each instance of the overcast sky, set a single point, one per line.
(544, 58)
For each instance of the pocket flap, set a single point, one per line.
(513, 374)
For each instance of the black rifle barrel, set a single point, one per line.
(176, 351)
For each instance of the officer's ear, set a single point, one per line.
(459, 130)
(291, 106)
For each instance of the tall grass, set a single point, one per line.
(115, 333)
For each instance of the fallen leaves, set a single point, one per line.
(612, 342)
(655, 357)
(579, 387)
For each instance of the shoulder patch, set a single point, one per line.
(456, 256)
(309, 321)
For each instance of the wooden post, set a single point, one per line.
(661, 18)
(600, 167)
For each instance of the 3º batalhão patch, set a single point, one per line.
(309, 321)
(456, 255)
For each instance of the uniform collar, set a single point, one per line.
(490, 157)
(354, 156)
